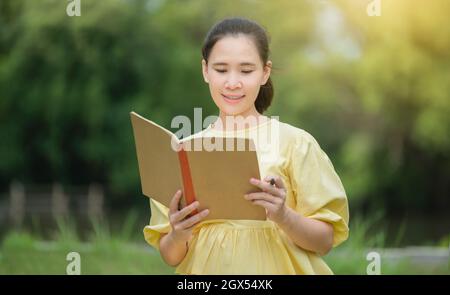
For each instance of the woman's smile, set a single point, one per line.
(233, 99)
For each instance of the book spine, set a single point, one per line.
(188, 193)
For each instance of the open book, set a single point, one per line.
(218, 178)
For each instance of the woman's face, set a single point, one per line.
(235, 73)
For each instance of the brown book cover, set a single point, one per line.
(217, 178)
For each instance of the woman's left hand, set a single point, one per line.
(272, 197)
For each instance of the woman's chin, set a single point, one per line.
(232, 110)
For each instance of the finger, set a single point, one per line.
(266, 187)
(194, 219)
(173, 207)
(261, 196)
(278, 180)
(267, 205)
(180, 215)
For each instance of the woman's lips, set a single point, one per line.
(233, 99)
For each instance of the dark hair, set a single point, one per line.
(235, 26)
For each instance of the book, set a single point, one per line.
(217, 178)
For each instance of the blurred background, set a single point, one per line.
(373, 90)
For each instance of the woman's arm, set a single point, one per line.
(307, 233)
(172, 250)
(174, 245)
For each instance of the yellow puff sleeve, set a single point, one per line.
(317, 189)
(159, 223)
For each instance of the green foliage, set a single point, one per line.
(374, 91)
(109, 251)
(103, 251)
(369, 234)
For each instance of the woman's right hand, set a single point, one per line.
(182, 227)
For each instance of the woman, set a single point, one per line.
(306, 204)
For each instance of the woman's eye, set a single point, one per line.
(223, 71)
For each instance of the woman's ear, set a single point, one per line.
(267, 70)
(205, 70)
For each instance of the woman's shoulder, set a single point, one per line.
(302, 143)
(295, 135)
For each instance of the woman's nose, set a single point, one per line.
(233, 83)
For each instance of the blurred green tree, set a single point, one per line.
(374, 91)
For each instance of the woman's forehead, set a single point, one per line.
(234, 50)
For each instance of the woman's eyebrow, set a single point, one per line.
(225, 64)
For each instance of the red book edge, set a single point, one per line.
(189, 193)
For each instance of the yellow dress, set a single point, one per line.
(261, 247)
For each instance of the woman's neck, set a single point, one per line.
(227, 122)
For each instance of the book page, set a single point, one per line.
(158, 161)
(221, 177)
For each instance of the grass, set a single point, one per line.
(23, 254)
(351, 256)
(107, 252)
(103, 252)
